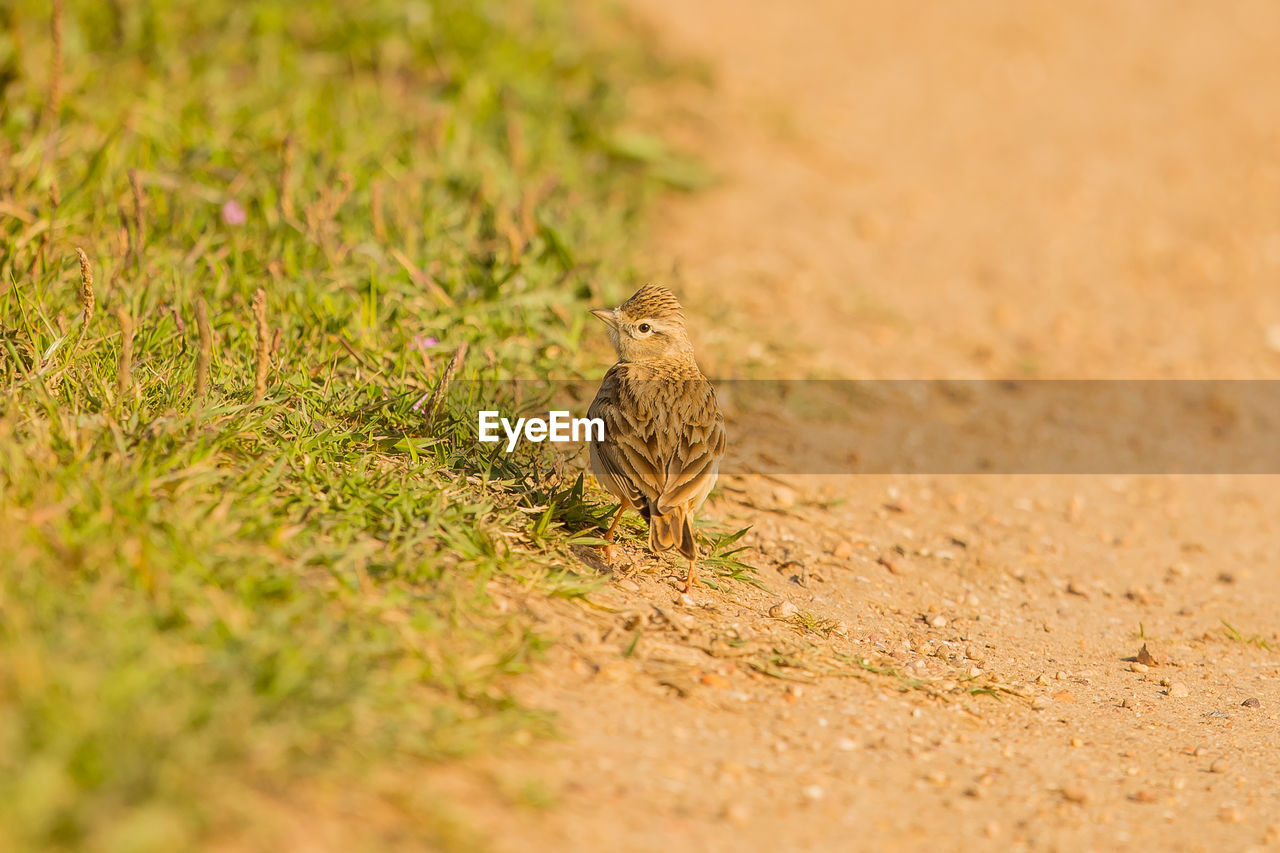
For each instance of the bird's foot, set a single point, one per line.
(690, 579)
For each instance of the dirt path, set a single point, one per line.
(986, 189)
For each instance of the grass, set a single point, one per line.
(237, 556)
(1251, 639)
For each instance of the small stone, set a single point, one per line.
(1230, 814)
(1039, 703)
(895, 564)
(992, 829)
(1145, 797)
(1147, 657)
(974, 653)
(813, 792)
(715, 680)
(1219, 765)
(1076, 795)
(629, 585)
(938, 621)
(783, 610)
(1178, 690)
(686, 600)
(1252, 702)
(846, 744)
(1076, 587)
(842, 551)
(1041, 680)
(1077, 742)
(1138, 667)
(736, 813)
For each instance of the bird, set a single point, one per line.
(664, 434)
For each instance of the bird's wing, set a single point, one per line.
(624, 454)
(697, 451)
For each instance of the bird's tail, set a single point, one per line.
(672, 529)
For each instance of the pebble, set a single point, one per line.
(1076, 795)
(1039, 703)
(1252, 702)
(974, 653)
(736, 813)
(629, 585)
(895, 564)
(712, 679)
(686, 600)
(1078, 588)
(938, 621)
(813, 792)
(1178, 690)
(783, 610)
(846, 744)
(1147, 657)
(1219, 765)
(842, 551)
(1138, 667)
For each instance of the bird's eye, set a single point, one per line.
(644, 328)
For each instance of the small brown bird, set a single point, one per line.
(663, 430)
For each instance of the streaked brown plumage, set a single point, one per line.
(663, 431)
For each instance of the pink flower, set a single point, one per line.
(233, 213)
(425, 343)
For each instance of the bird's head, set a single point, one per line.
(648, 326)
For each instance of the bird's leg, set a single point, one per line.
(607, 550)
(691, 578)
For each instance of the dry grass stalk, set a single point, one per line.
(124, 368)
(205, 352)
(139, 219)
(421, 277)
(54, 104)
(87, 299)
(437, 396)
(263, 360)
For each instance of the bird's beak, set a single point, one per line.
(609, 315)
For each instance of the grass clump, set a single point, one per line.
(238, 241)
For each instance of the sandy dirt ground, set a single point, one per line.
(979, 189)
